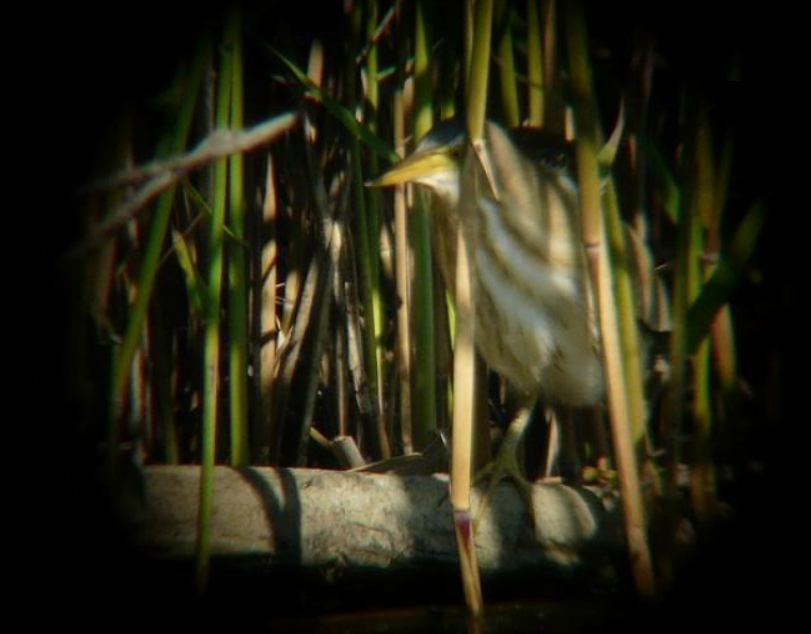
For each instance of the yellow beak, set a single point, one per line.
(420, 167)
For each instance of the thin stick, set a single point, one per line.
(161, 175)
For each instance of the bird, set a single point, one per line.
(534, 315)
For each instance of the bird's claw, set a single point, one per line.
(505, 465)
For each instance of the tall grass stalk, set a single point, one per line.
(402, 261)
(373, 200)
(702, 474)
(464, 367)
(237, 270)
(425, 394)
(211, 329)
(266, 294)
(368, 246)
(597, 249)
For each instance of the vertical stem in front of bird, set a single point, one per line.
(593, 231)
(464, 365)
(464, 371)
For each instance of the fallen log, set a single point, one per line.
(317, 519)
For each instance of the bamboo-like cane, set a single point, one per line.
(594, 239)
(462, 449)
(464, 349)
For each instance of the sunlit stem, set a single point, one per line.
(464, 372)
(593, 232)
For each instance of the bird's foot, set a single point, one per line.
(505, 465)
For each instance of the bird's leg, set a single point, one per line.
(505, 464)
(552, 445)
(562, 457)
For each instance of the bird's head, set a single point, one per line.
(435, 163)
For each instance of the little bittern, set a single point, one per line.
(534, 318)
